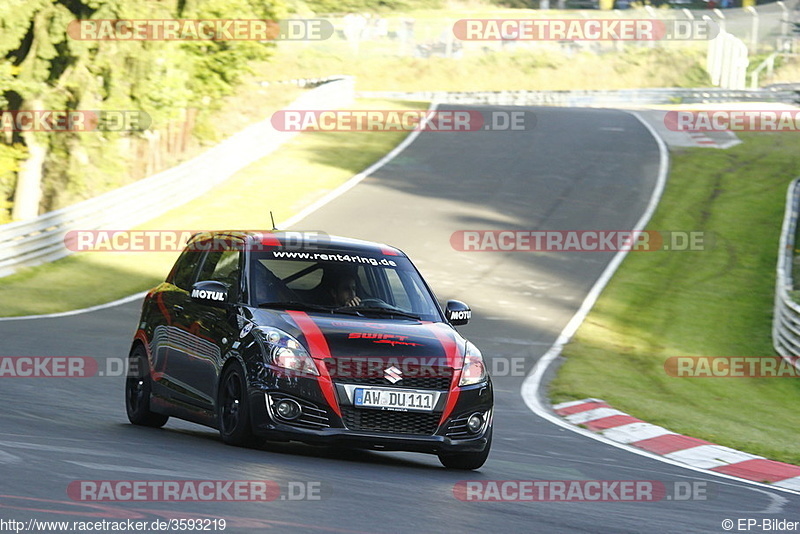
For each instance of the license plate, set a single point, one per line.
(394, 399)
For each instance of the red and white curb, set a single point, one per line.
(701, 139)
(599, 417)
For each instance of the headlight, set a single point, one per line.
(286, 352)
(474, 370)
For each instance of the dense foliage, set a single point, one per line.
(44, 68)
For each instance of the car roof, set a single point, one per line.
(299, 240)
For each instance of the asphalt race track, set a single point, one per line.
(578, 169)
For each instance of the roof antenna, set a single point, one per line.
(274, 228)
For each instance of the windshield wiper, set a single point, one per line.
(377, 310)
(295, 305)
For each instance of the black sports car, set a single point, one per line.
(321, 340)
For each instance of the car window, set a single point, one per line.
(183, 273)
(400, 297)
(227, 266)
(222, 266)
(384, 282)
(297, 274)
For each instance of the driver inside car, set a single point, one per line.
(344, 292)
(340, 287)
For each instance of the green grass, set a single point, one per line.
(714, 302)
(300, 172)
(377, 67)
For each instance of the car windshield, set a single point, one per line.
(346, 282)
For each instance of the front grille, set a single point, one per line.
(390, 422)
(441, 383)
(312, 416)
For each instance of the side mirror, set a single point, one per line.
(210, 293)
(457, 312)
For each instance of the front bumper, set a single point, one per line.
(424, 433)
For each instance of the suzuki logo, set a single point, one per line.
(393, 374)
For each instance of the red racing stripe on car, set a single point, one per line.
(318, 347)
(451, 353)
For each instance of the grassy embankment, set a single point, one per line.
(714, 302)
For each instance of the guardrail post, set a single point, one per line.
(754, 29)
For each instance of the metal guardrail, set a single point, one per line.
(786, 318)
(41, 240)
(593, 98)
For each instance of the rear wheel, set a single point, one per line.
(467, 460)
(233, 411)
(137, 391)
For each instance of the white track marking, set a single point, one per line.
(635, 432)
(708, 456)
(119, 302)
(789, 483)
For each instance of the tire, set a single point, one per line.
(467, 460)
(233, 410)
(137, 391)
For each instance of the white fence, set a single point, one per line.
(40, 240)
(726, 61)
(786, 318)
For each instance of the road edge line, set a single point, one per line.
(118, 302)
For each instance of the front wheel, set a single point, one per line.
(137, 391)
(467, 460)
(233, 412)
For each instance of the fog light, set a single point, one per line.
(475, 423)
(288, 409)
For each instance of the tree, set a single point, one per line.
(42, 68)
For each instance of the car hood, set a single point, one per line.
(338, 336)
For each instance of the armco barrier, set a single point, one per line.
(623, 97)
(40, 240)
(786, 318)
